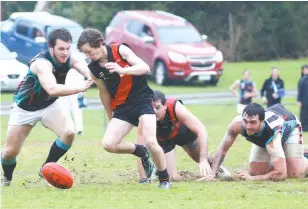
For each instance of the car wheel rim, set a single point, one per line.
(159, 74)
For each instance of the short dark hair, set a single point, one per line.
(303, 67)
(61, 33)
(158, 95)
(91, 36)
(254, 109)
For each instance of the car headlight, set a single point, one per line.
(176, 57)
(218, 56)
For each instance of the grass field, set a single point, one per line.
(289, 70)
(104, 180)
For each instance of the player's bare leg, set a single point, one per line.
(258, 168)
(113, 142)
(113, 138)
(58, 122)
(15, 138)
(148, 128)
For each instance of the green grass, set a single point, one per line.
(105, 180)
(289, 70)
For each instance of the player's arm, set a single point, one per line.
(103, 95)
(138, 66)
(254, 92)
(234, 88)
(195, 125)
(43, 69)
(279, 171)
(78, 63)
(234, 129)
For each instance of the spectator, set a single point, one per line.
(36, 33)
(273, 89)
(245, 89)
(302, 98)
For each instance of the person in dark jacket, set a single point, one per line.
(302, 98)
(273, 89)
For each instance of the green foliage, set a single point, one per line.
(8, 7)
(268, 30)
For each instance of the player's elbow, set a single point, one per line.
(146, 68)
(52, 91)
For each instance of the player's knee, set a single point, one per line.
(173, 177)
(258, 168)
(108, 146)
(10, 152)
(68, 134)
(151, 144)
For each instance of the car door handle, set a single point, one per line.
(12, 39)
(28, 44)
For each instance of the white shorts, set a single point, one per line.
(240, 108)
(293, 148)
(20, 116)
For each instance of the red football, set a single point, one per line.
(57, 175)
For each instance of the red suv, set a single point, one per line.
(169, 44)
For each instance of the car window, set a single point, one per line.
(146, 31)
(115, 21)
(179, 34)
(36, 33)
(5, 53)
(134, 27)
(22, 29)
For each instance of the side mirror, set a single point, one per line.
(14, 54)
(41, 40)
(148, 40)
(204, 37)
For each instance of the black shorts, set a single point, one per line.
(190, 141)
(131, 114)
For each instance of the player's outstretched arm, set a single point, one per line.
(195, 125)
(233, 130)
(78, 63)
(43, 69)
(234, 88)
(138, 66)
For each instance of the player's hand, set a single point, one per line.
(246, 95)
(275, 95)
(87, 84)
(205, 168)
(264, 100)
(207, 178)
(114, 67)
(243, 175)
(299, 104)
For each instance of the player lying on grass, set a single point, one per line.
(277, 150)
(176, 125)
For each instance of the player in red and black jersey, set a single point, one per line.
(176, 125)
(121, 78)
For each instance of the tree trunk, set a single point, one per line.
(42, 6)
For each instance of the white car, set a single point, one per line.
(11, 70)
